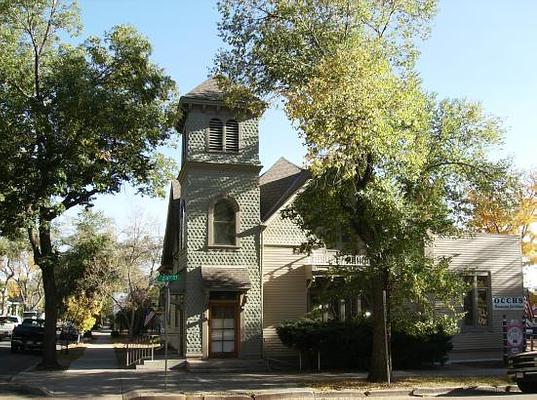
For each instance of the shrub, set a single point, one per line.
(348, 344)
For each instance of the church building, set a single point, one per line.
(239, 272)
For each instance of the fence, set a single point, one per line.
(531, 341)
(141, 348)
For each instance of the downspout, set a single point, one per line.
(262, 228)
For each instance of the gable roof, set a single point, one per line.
(279, 183)
(207, 91)
(171, 231)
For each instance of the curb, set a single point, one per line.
(140, 395)
(289, 395)
(30, 368)
(298, 395)
(460, 390)
(16, 388)
(340, 395)
(329, 395)
(389, 393)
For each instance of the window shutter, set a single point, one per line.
(216, 135)
(232, 135)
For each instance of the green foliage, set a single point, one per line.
(75, 121)
(78, 120)
(392, 165)
(276, 45)
(88, 269)
(348, 344)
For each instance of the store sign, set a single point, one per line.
(508, 303)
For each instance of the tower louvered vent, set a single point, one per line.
(216, 135)
(232, 135)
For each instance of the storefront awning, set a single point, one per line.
(225, 278)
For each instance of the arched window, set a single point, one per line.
(232, 135)
(216, 135)
(223, 222)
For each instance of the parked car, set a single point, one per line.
(28, 335)
(69, 333)
(522, 368)
(7, 324)
(29, 314)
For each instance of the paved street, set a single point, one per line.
(11, 364)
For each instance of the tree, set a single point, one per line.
(88, 269)
(96, 265)
(509, 207)
(75, 121)
(140, 251)
(22, 278)
(391, 164)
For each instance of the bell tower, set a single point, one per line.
(219, 256)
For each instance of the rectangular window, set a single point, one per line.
(328, 308)
(183, 148)
(182, 229)
(477, 301)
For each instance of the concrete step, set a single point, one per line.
(235, 365)
(158, 365)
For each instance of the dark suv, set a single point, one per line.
(28, 335)
(522, 368)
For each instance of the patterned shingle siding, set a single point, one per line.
(284, 295)
(197, 129)
(200, 184)
(282, 231)
(501, 255)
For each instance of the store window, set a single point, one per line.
(477, 301)
(328, 302)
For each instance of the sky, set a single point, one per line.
(482, 50)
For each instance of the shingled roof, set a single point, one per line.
(279, 183)
(207, 91)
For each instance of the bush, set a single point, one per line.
(348, 344)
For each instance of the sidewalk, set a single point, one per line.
(99, 354)
(96, 374)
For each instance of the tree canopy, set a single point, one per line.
(88, 269)
(509, 207)
(75, 121)
(392, 164)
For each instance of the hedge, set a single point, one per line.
(348, 344)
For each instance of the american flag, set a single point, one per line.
(528, 310)
(149, 317)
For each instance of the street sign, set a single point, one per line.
(167, 278)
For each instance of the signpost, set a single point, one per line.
(166, 322)
(166, 279)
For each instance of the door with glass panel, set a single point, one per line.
(223, 330)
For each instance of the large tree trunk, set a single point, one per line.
(45, 258)
(380, 366)
(51, 317)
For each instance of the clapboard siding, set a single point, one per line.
(501, 255)
(284, 295)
